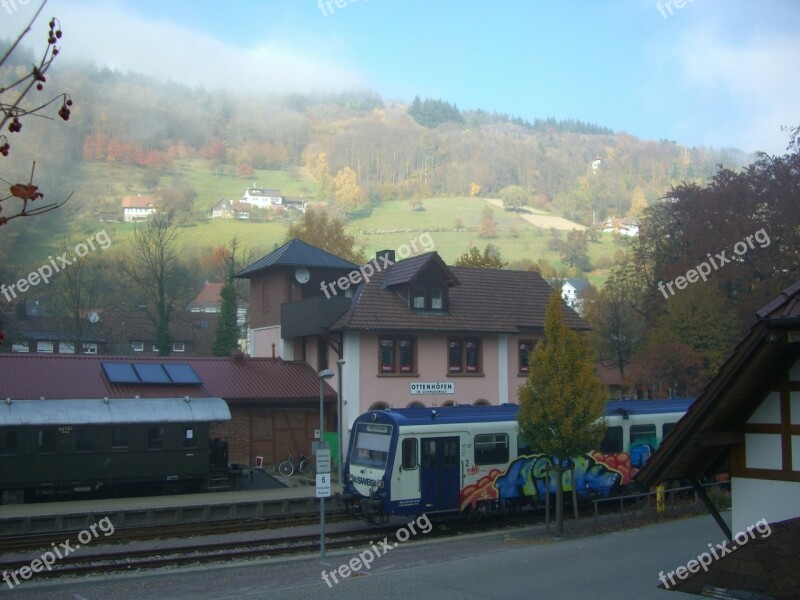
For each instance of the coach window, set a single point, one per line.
(612, 442)
(409, 454)
(643, 434)
(83, 439)
(666, 429)
(8, 442)
(119, 438)
(491, 448)
(155, 438)
(189, 438)
(524, 352)
(47, 441)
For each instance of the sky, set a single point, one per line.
(720, 73)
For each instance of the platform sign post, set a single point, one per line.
(322, 375)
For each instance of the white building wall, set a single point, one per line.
(351, 375)
(755, 499)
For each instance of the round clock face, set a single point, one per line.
(301, 274)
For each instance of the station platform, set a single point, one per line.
(20, 519)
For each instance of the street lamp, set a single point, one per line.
(322, 375)
(340, 363)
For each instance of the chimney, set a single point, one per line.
(389, 254)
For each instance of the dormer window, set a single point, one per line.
(419, 297)
(437, 302)
(428, 298)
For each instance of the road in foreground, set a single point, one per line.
(520, 564)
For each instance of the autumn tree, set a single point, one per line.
(349, 195)
(638, 202)
(488, 259)
(562, 401)
(575, 252)
(513, 197)
(152, 265)
(322, 175)
(13, 110)
(320, 229)
(488, 226)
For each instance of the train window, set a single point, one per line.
(371, 448)
(8, 441)
(522, 447)
(189, 437)
(155, 438)
(47, 441)
(612, 441)
(428, 454)
(644, 434)
(119, 438)
(491, 448)
(451, 454)
(409, 454)
(666, 429)
(83, 439)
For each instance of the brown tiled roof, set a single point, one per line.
(487, 300)
(753, 368)
(405, 270)
(29, 376)
(209, 295)
(767, 567)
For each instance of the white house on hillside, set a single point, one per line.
(262, 197)
(139, 208)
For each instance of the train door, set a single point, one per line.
(440, 473)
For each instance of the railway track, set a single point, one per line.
(20, 543)
(80, 563)
(103, 559)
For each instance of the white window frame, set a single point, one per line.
(137, 346)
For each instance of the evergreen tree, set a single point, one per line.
(226, 338)
(562, 401)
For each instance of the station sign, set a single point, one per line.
(435, 387)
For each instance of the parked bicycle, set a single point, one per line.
(302, 466)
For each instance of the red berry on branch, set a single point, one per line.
(39, 87)
(69, 102)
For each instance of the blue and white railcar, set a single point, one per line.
(469, 458)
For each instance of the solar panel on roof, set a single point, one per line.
(120, 373)
(151, 373)
(182, 373)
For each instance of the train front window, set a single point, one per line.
(371, 448)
